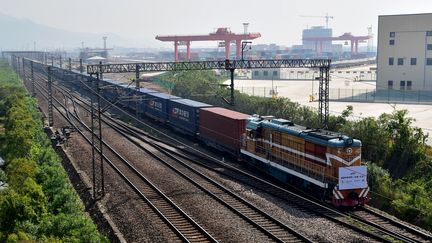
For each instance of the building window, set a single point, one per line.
(392, 34)
(391, 61)
(402, 85)
(409, 85)
(400, 61)
(429, 47)
(413, 61)
(428, 33)
(429, 61)
(390, 84)
(256, 73)
(265, 73)
(391, 42)
(275, 73)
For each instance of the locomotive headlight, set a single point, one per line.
(349, 141)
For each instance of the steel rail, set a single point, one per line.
(186, 233)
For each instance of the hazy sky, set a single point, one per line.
(278, 21)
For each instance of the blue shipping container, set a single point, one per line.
(142, 96)
(157, 105)
(109, 89)
(125, 93)
(184, 115)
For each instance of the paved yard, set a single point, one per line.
(300, 91)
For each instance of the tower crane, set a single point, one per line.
(327, 17)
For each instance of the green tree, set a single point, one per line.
(19, 170)
(39, 190)
(375, 139)
(26, 204)
(408, 143)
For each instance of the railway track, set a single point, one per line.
(375, 226)
(184, 227)
(368, 215)
(268, 225)
(372, 228)
(272, 228)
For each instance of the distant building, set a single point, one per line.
(267, 73)
(405, 52)
(89, 52)
(317, 31)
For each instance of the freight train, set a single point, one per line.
(319, 161)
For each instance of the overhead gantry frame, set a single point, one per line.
(322, 64)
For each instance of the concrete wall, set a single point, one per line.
(410, 41)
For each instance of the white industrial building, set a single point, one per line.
(405, 52)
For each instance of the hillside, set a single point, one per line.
(18, 32)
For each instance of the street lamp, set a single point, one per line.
(244, 44)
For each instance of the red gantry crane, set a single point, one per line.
(221, 34)
(345, 37)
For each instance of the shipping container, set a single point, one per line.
(110, 89)
(142, 96)
(184, 115)
(157, 105)
(222, 128)
(132, 95)
(123, 92)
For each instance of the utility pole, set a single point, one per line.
(100, 139)
(231, 67)
(93, 144)
(81, 66)
(323, 104)
(244, 44)
(23, 69)
(15, 63)
(70, 64)
(232, 86)
(97, 144)
(50, 99)
(137, 87)
(32, 78)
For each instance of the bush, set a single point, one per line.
(400, 167)
(40, 203)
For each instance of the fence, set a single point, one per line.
(267, 92)
(355, 95)
(168, 85)
(311, 75)
(393, 96)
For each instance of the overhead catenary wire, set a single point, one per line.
(159, 131)
(95, 93)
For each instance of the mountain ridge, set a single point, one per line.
(23, 34)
